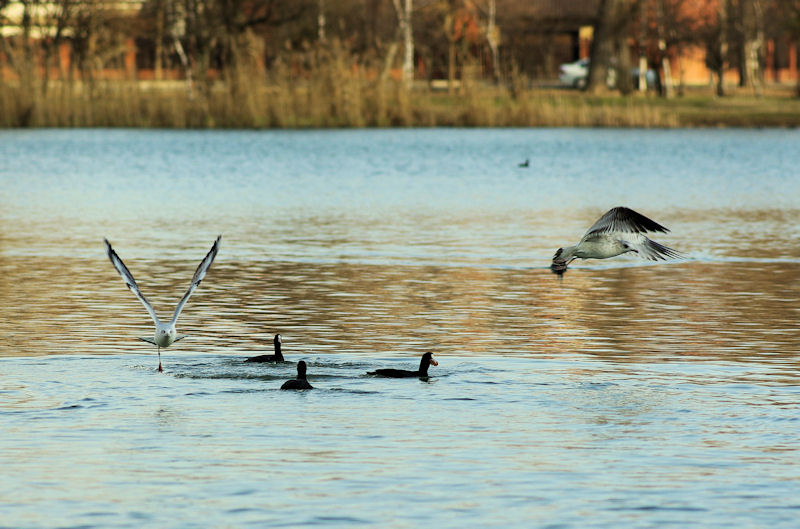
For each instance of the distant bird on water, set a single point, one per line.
(277, 357)
(300, 382)
(526, 163)
(165, 333)
(617, 232)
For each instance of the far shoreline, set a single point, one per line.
(358, 103)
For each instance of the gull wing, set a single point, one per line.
(625, 220)
(199, 274)
(129, 281)
(650, 249)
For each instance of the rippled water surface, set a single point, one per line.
(627, 394)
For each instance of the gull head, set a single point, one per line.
(559, 264)
(165, 336)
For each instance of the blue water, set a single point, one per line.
(627, 394)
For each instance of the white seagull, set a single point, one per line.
(165, 333)
(619, 231)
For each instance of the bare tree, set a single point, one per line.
(717, 42)
(99, 35)
(493, 38)
(27, 67)
(449, 30)
(404, 9)
(602, 47)
(54, 26)
(219, 30)
(642, 37)
(18, 51)
(752, 17)
(789, 13)
(321, 20)
(610, 54)
(676, 30)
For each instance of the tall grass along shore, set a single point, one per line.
(332, 94)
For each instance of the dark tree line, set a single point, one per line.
(231, 39)
(733, 34)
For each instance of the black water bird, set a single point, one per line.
(300, 382)
(277, 357)
(427, 360)
(526, 163)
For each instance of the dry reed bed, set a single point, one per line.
(337, 98)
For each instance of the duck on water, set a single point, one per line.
(426, 361)
(277, 357)
(300, 382)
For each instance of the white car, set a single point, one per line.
(574, 74)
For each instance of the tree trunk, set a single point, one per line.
(371, 22)
(26, 71)
(602, 47)
(492, 38)
(449, 33)
(47, 52)
(624, 82)
(738, 36)
(642, 80)
(389, 61)
(451, 65)
(321, 20)
(408, 40)
(723, 47)
(186, 66)
(159, 51)
(642, 73)
(667, 88)
(753, 43)
(404, 19)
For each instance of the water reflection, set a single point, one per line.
(655, 394)
(723, 310)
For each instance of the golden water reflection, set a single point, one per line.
(742, 311)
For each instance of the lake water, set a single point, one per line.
(626, 394)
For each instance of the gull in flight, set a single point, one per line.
(165, 333)
(620, 230)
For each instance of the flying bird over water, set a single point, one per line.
(165, 333)
(620, 230)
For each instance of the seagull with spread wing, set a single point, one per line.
(620, 230)
(165, 333)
